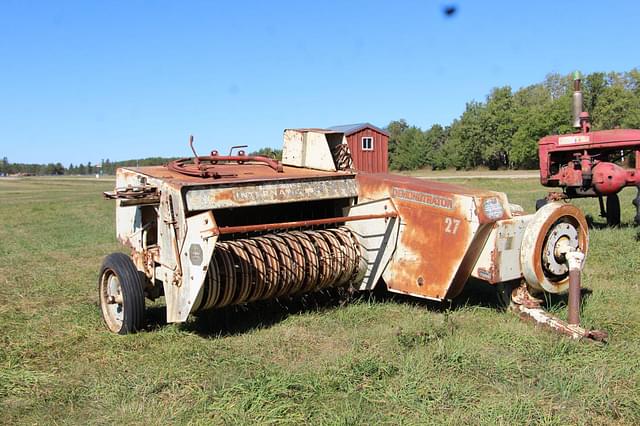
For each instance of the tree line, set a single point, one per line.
(500, 132)
(106, 167)
(503, 130)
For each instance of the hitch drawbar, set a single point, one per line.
(529, 308)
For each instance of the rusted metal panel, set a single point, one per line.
(438, 223)
(234, 174)
(269, 193)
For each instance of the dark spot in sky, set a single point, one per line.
(450, 10)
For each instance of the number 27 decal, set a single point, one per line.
(451, 225)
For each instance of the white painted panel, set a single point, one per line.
(377, 238)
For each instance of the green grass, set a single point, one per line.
(372, 360)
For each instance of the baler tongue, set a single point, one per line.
(529, 308)
(535, 313)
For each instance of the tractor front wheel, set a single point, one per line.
(613, 210)
(121, 294)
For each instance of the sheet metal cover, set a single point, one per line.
(270, 193)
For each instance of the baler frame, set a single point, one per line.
(236, 231)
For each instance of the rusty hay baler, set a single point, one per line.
(586, 163)
(219, 230)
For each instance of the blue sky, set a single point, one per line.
(87, 80)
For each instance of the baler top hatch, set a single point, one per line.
(235, 174)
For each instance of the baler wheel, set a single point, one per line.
(121, 294)
(613, 210)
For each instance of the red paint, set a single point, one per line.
(608, 178)
(581, 160)
(374, 161)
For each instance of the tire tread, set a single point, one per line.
(132, 288)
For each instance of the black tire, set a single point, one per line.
(540, 203)
(613, 210)
(120, 279)
(503, 292)
(636, 203)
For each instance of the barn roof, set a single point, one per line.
(349, 129)
(316, 130)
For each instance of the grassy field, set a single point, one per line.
(322, 360)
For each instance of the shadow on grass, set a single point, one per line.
(235, 320)
(591, 222)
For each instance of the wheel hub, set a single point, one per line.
(562, 238)
(112, 301)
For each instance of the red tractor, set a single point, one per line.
(588, 164)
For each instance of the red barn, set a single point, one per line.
(368, 145)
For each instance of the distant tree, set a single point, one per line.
(466, 139)
(436, 138)
(412, 150)
(593, 86)
(498, 128)
(395, 130)
(268, 152)
(107, 167)
(557, 85)
(617, 106)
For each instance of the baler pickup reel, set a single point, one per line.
(215, 231)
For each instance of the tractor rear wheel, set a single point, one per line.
(121, 294)
(636, 203)
(541, 203)
(613, 210)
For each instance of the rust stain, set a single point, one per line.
(571, 213)
(436, 234)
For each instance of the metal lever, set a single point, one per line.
(574, 261)
(196, 160)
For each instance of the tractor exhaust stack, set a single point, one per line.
(577, 100)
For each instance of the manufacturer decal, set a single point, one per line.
(573, 139)
(426, 198)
